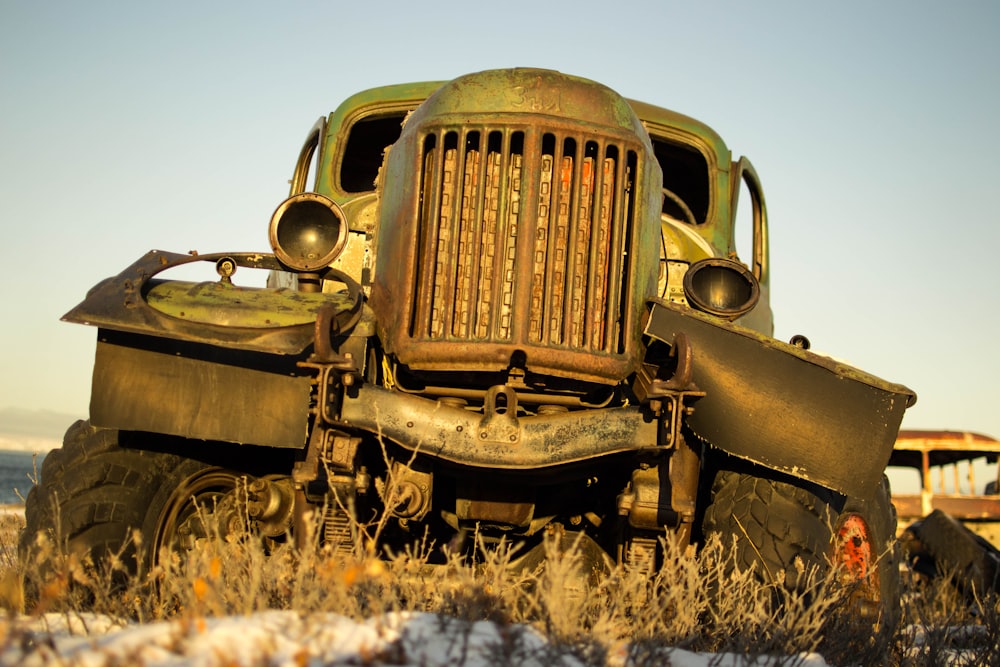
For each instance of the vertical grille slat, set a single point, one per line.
(465, 255)
(617, 283)
(582, 205)
(431, 187)
(512, 226)
(601, 233)
(496, 246)
(560, 258)
(443, 259)
(488, 247)
(541, 278)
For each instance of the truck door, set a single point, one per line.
(749, 225)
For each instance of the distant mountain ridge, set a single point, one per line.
(33, 430)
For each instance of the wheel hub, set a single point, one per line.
(204, 505)
(858, 558)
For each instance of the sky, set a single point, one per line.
(128, 126)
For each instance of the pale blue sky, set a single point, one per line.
(126, 126)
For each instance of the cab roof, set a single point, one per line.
(412, 94)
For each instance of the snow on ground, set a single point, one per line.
(289, 639)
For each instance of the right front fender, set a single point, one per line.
(784, 407)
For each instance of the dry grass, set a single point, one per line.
(682, 606)
(11, 597)
(942, 626)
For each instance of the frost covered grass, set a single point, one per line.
(481, 613)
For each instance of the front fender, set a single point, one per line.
(784, 407)
(210, 360)
(276, 321)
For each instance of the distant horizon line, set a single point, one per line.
(29, 444)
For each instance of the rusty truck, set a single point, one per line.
(948, 507)
(508, 305)
(937, 471)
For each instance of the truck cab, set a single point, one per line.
(704, 187)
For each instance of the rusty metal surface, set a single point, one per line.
(936, 455)
(783, 407)
(940, 545)
(964, 507)
(158, 385)
(942, 448)
(504, 442)
(930, 439)
(521, 224)
(939, 457)
(253, 320)
(663, 494)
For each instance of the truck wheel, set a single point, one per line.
(784, 530)
(93, 493)
(954, 550)
(778, 528)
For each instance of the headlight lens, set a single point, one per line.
(308, 231)
(721, 287)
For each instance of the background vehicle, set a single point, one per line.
(937, 470)
(510, 305)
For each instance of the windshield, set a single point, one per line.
(685, 174)
(365, 147)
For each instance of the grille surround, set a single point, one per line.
(454, 293)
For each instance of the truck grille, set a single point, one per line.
(523, 239)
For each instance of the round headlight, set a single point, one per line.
(308, 231)
(721, 287)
